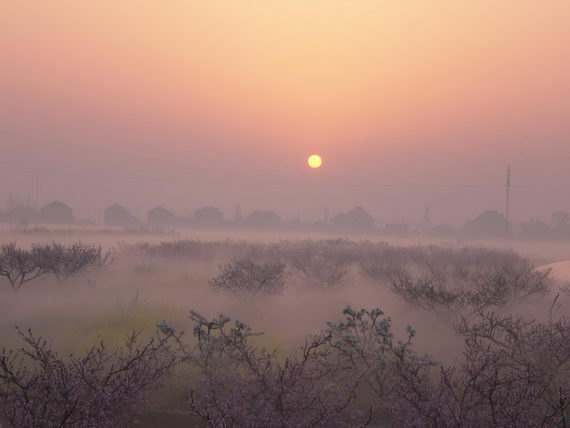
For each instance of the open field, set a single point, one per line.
(288, 289)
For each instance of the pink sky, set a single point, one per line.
(186, 103)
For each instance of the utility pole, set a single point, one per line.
(508, 202)
(37, 192)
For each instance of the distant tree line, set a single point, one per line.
(488, 224)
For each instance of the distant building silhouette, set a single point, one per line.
(487, 224)
(160, 216)
(263, 218)
(57, 213)
(22, 215)
(535, 229)
(208, 216)
(560, 222)
(356, 219)
(117, 215)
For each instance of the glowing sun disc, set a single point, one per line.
(315, 161)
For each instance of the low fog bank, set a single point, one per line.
(142, 286)
(137, 293)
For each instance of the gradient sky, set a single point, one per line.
(185, 103)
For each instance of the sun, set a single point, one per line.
(315, 161)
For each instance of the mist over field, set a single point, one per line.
(288, 213)
(79, 290)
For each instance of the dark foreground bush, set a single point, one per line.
(514, 373)
(102, 388)
(250, 278)
(19, 266)
(240, 385)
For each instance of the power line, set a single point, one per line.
(508, 202)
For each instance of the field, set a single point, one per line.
(459, 322)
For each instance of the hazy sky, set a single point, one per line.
(185, 103)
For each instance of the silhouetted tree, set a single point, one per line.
(19, 265)
(247, 277)
(102, 388)
(535, 229)
(356, 219)
(160, 216)
(57, 213)
(263, 218)
(118, 215)
(488, 223)
(208, 216)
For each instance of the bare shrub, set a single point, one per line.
(492, 289)
(382, 262)
(240, 385)
(64, 262)
(365, 342)
(514, 373)
(20, 266)
(434, 277)
(102, 388)
(248, 277)
(323, 263)
(426, 293)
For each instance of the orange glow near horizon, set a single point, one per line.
(399, 95)
(330, 70)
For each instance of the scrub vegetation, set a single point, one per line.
(331, 333)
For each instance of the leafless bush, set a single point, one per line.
(102, 388)
(514, 373)
(248, 277)
(365, 342)
(20, 266)
(493, 289)
(240, 385)
(324, 263)
(382, 262)
(434, 277)
(426, 292)
(65, 262)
